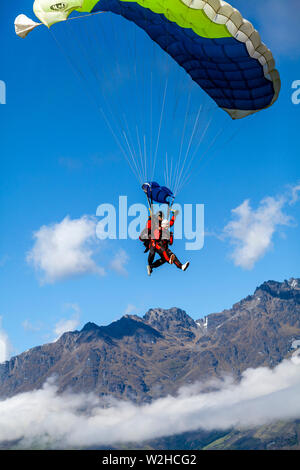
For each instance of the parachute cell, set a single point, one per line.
(217, 47)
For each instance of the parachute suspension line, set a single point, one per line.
(154, 148)
(188, 147)
(189, 166)
(202, 156)
(200, 140)
(171, 173)
(167, 172)
(185, 168)
(159, 129)
(182, 139)
(136, 87)
(140, 153)
(236, 132)
(120, 146)
(142, 105)
(113, 30)
(85, 16)
(133, 159)
(103, 72)
(190, 169)
(145, 154)
(151, 112)
(94, 71)
(115, 115)
(132, 151)
(91, 97)
(169, 62)
(127, 135)
(117, 73)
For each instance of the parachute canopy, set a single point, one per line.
(217, 47)
(24, 25)
(157, 193)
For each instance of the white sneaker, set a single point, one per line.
(185, 266)
(149, 270)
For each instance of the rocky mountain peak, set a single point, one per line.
(294, 283)
(173, 321)
(128, 325)
(90, 326)
(283, 290)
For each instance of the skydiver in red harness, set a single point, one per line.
(157, 238)
(145, 236)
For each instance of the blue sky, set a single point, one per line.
(59, 159)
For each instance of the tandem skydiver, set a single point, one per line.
(156, 238)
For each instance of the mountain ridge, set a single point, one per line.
(144, 358)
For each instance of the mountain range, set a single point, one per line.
(144, 358)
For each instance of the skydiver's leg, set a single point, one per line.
(151, 255)
(159, 262)
(173, 258)
(146, 245)
(145, 240)
(167, 255)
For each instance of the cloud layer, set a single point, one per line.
(119, 262)
(64, 249)
(5, 345)
(66, 324)
(79, 420)
(251, 230)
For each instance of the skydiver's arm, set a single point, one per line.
(148, 226)
(173, 218)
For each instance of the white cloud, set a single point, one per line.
(70, 163)
(252, 230)
(129, 309)
(28, 326)
(3, 260)
(67, 324)
(295, 190)
(65, 249)
(119, 261)
(5, 345)
(70, 420)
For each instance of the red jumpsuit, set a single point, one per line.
(159, 243)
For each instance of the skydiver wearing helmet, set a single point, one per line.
(154, 222)
(161, 238)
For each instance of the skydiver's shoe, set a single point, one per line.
(185, 266)
(172, 257)
(149, 270)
